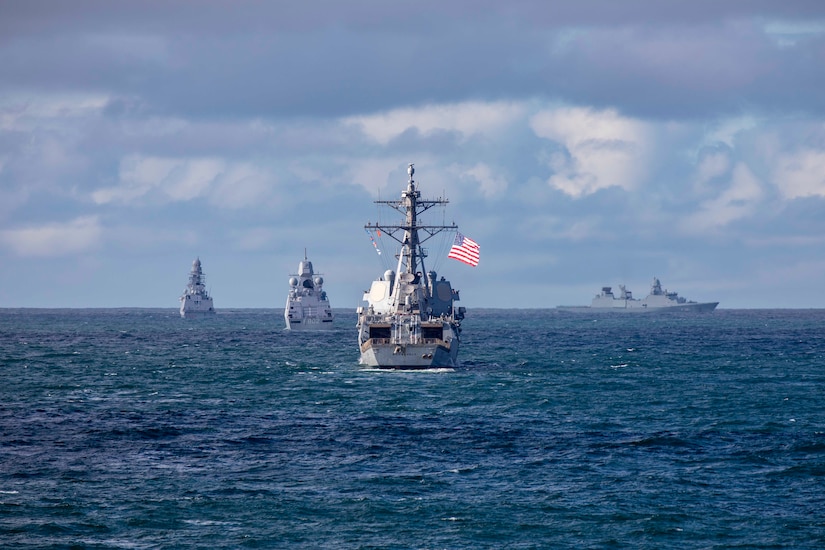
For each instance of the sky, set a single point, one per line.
(581, 144)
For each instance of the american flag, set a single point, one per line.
(464, 249)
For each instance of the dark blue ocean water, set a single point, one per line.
(138, 429)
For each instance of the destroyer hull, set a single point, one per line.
(410, 321)
(189, 311)
(309, 324)
(196, 314)
(641, 308)
(409, 356)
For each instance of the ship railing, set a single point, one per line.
(388, 341)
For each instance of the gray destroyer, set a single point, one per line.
(410, 321)
(307, 305)
(657, 300)
(196, 301)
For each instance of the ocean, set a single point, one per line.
(134, 428)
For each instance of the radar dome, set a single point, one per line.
(389, 275)
(319, 280)
(293, 281)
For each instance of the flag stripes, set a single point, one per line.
(465, 250)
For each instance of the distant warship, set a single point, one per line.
(657, 300)
(409, 321)
(195, 301)
(307, 305)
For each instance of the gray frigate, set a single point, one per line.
(196, 301)
(307, 304)
(657, 300)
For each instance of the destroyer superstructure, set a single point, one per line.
(657, 300)
(410, 321)
(307, 305)
(196, 301)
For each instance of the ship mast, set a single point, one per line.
(409, 197)
(407, 292)
(411, 205)
(196, 278)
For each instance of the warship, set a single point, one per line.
(307, 305)
(657, 300)
(196, 301)
(410, 321)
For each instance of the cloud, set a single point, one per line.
(738, 201)
(787, 34)
(725, 130)
(375, 173)
(714, 163)
(601, 149)
(490, 184)
(209, 59)
(241, 186)
(700, 59)
(176, 179)
(582, 230)
(468, 118)
(41, 110)
(54, 239)
(800, 174)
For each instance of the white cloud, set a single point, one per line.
(192, 178)
(37, 111)
(490, 183)
(787, 34)
(373, 174)
(469, 118)
(603, 149)
(711, 165)
(241, 186)
(178, 179)
(582, 230)
(800, 174)
(726, 130)
(138, 175)
(55, 239)
(738, 201)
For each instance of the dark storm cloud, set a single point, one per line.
(329, 58)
